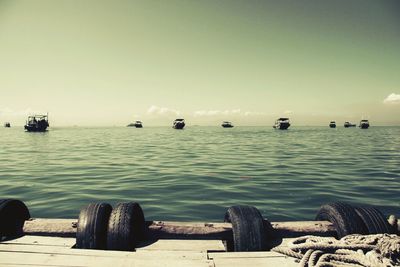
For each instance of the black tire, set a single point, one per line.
(92, 226)
(249, 230)
(343, 217)
(13, 214)
(126, 227)
(374, 221)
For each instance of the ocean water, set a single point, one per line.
(197, 173)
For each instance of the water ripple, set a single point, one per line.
(195, 174)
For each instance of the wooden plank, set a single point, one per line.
(16, 258)
(183, 230)
(142, 254)
(255, 254)
(302, 228)
(184, 245)
(176, 254)
(189, 230)
(259, 262)
(51, 227)
(42, 240)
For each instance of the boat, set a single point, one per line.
(348, 125)
(282, 124)
(332, 124)
(179, 124)
(7, 125)
(364, 124)
(37, 123)
(227, 124)
(137, 124)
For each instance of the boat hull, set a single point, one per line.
(178, 126)
(364, 126)
(30, 128)
(332, 125)
(282, 126)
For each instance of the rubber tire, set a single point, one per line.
(344, 217)
(13, 214)
(92, 226)
(249, 230)
(126, 227)
(375, 222)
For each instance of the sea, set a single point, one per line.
(197, 173)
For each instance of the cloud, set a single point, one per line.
(155, 110)
(392, 99)
(5, 111)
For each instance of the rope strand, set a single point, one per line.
(380, 250)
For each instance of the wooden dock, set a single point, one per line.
(132, 241)
(35, 251)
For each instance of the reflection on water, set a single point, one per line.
(195, 174)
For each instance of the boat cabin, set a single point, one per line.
(282, 124)
(227, 124)
(37, 123)
(179, 124)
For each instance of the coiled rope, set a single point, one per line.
(380, 250)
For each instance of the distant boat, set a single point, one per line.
(364, 124)
(7, 125)
(282, 124)
(179, 124)
(348, 125)
(137, 124)
(332, 124)
(37, 123)
(227, 124)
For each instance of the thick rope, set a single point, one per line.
(381, 250)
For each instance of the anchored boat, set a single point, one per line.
(282, 124)
(332, 124)
(364, 124)
(37, 123)
(179, 124)
(137, 124)
(227, 124)
(348, 125)
(7, 125)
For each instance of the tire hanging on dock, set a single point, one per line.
(126, 227)
(344, 217)
(13, 214)
(248, 228)
(375, 222)
(92, 226)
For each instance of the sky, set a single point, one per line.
(104, 63)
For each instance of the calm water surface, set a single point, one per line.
(195, 174)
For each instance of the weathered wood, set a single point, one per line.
(259, 262)
(139, 254)
(43, 259)
(42, 241)
(253, 254)
(301, 228)
(189, 230)
(51, 227)
(40, 251)
(183, 230)
(182, 245)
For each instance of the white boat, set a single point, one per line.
(282, 124)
